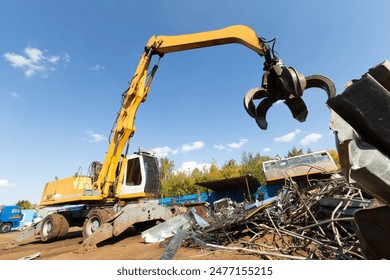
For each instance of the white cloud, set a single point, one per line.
(230, 146)
(34, 61)
(266, 149)
(34, 54)
(238, 145)
(15, 95)
(219, 147)
(193, 146)
(98, 67)
(66, 59)
(162, 152)
(6, 183)
(54, 59)
(185, 148)
(288, 137)
(95, 137)
(311, 138)
(189, 166)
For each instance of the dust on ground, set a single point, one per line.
(128, 246)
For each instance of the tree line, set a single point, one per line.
(175, 183)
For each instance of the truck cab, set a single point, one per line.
(10, 217)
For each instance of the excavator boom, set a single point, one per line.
(239, 34)
(279, 83)
(139, 87)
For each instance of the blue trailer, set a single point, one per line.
(10, 217)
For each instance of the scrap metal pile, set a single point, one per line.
(337, 218)
(310, 223)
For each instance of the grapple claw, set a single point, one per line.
(284, 83)
(322, 82)
(298, 108)
(253, 94)
(261, 113)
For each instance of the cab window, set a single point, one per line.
(134, 176)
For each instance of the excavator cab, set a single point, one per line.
(141, 176)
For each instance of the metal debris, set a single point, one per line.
(311, 223)
(174, 244)
(360, 120)
(336, 218)
(166, 229)
(31, 257)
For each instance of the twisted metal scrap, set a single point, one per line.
(296, 226)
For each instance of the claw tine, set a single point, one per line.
(261, 113)
(298, 108)
(255, 93)
(321, 82)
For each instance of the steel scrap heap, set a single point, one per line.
(342, 217)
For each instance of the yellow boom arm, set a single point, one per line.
(139, 88)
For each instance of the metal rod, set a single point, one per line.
(331, 248)
(307, 208)
(255, 252)
(325, 222)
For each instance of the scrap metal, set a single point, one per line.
(344, 217)
(361, 122)
(311, 223)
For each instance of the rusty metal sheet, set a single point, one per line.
(362, 163)
(361, 122)
(365, 104)
(232, 183)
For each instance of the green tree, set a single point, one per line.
(294, 152)
(253, 164)
(214, 173)
(230, 169)
(166, 167)
(24, 204)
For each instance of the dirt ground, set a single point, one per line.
(128, 246)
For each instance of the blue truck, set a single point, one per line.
(10, 217)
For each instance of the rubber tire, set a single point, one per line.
(64, 227)
(52, 227)
(6, 227)
(94, 220)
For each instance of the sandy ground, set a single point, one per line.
(128, 246)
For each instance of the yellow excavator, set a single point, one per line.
(121, 192)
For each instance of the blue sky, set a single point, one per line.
(65, 64)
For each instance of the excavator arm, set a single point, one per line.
(279, 83)
(240, 34)
(140, 86)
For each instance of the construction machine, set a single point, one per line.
(120, 192)
(10, 217)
